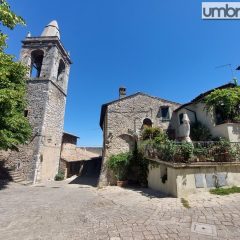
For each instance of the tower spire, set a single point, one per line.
(51, 30)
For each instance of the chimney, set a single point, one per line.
(122, 92)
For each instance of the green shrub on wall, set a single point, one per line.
(165, 150)
(200, 132)
(154, 133)
(59, 176)
(138, 166)
(227, 101)
(119, 164)
(170, 151)
(184, 150)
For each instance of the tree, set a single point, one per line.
(226, 101)
(14, 126)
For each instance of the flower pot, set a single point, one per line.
(122, 183)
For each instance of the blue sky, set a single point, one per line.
(162, 48)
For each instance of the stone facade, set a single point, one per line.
(196, 111)
(49, 66)
(183, 179)
(73, 157)
(122, 121)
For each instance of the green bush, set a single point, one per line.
(166, 150)
(200, 152)
(153, 133)
(59, 176)
(119, 164)
(138, 166)
(185, 150)
(200, 132)
(237, 118)
(223, 151)
(226, 100)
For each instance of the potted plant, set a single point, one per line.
(119, 164)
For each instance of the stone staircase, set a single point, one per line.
(16, 176)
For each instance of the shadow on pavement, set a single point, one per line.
(90, 173)
(83, 180)
(5, 176)
(147, 192)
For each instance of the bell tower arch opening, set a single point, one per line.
(36, 63)
(61, 73)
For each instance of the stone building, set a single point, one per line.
(123, 119)
(73, 158)
(49, 66)
(214, 121)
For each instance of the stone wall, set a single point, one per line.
(52, 133)
(125, 117)
(39, 159)
(53, 52)
(184, 179)
(63, 167)
(24, 160)
(69, 148)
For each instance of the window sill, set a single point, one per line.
(165, 120)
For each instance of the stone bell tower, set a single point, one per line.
(49, 66)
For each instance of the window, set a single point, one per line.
(147, 123)
(36, 63)
(25, 113)
(61, 70)
(181, 118)
(164, 173)
(219, 116)
(165, 113)
(171, 134)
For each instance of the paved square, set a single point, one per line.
(203, 228)
(58, 210)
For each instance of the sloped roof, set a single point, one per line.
(104, 106)
(70, 134)
(202, 95)
(79, 154)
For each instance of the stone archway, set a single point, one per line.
(127, 142)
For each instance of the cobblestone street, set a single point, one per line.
(58, 210)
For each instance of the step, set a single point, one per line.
(15, 174)
(26, 183)
(18, 180)
(17, 177)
